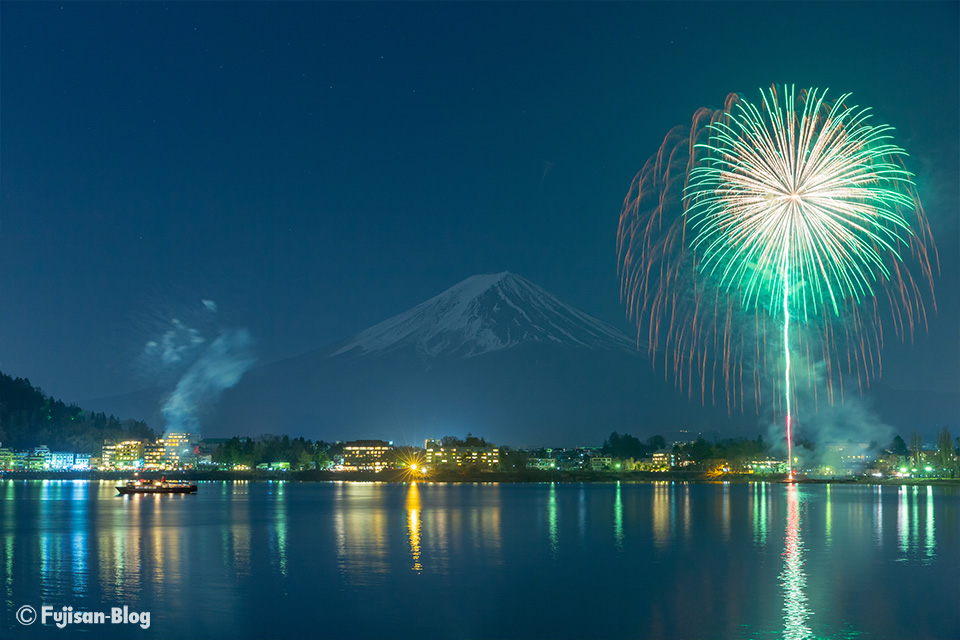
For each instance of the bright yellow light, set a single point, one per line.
(413, 467)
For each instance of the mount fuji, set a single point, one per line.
(484, 314)
(494, 355)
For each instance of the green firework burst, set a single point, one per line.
(791, 213)
(797, 203)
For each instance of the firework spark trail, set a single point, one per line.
(792, 205)
(786, 351)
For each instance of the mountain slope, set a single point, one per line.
(487, 313)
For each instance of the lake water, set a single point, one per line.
(367, 560)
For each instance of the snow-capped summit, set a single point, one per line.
(487, 313)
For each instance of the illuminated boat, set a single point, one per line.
(156, 486)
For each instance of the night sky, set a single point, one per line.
(313, 169)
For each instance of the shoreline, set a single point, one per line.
(507, 477)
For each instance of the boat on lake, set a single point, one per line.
(156, 486)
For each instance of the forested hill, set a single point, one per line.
(29, 417)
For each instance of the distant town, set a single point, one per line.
(620, 454)
(48, 436)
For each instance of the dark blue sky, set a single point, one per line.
(316, 168)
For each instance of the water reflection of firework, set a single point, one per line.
(795, 609)
(797, 211)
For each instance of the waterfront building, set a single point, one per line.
(439, 457)
(20, 460)
(42, 459)
(366, 455)
(36, 460)
(178, 450)
(273, 466)
(765, 467)
(123, 455)
(601, 463)
(129, 455)
(153, 455)
(61, 460)
(81, 462)
(106, 456)
(41, 453)
(542, 464)
(574, 459)
(662, 460)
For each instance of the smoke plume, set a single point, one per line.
(216, 369)
(198, 368)
(849, 422)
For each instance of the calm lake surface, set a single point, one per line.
(367, 560)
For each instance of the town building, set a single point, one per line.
(542, 464)
(123, 455)
(766, 467)
(601, 463)
(575, 459)
(20, 460)
(366, 455)
(439, 457)
(273, 466)
(178, 450)
(153, 455)
(81, 462)
(41, 453)
(37, 459)
(42, 459)
(107, 454)
(662, 460)
(61, 460)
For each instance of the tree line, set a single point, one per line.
(29, 417)
(270, 449)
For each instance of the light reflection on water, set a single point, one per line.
(725, 519)
(909, 515)
(78, 536)
(360, 523)
(828, 512)
(279, 533)
(655, 550)
(413, 525)
(662, 516)
(617, 519)
(552, 519)
(758, 507)
(795, 607)
(239, 532)
(878, 519)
